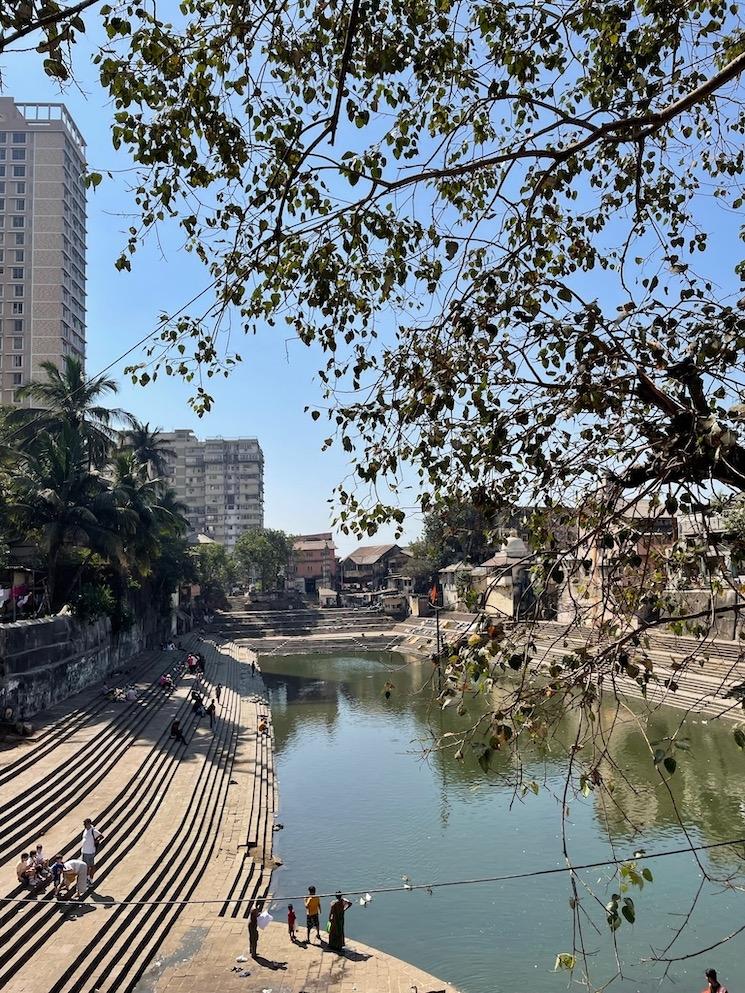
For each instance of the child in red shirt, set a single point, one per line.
(291, 922)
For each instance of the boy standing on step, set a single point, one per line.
(313, 913)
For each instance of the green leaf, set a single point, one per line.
(739, 736)
(647, 873)
(55, 69)
(670, 764)
(451, 249)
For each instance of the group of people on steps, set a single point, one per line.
(34, 870)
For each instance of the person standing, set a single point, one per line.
(336, 922)
(714, 986)
(291, 918)
(90, 841)
(312, 913)
(253, 931)
(218, 691)
(211, 713)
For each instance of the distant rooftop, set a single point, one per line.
(46, 115)
(369, 554)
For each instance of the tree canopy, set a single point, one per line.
(262, 553)
(487, 215)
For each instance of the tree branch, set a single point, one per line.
(44, 22)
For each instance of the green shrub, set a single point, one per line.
(94, 601)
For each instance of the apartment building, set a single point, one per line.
(42, 241)
(220, 481)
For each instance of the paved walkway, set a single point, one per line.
(281, 967)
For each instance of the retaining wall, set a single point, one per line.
(44, 661)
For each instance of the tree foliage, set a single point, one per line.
(486, 216)
(94, 511)
(214, 571)
(262, 553)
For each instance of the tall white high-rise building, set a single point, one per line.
(220, 481)
(42, 241)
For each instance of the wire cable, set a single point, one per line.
(409, 887)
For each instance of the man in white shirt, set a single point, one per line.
(91, 838)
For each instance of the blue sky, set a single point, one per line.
(264, 398)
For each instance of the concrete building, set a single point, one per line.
(221, 482)
(369, 566)
(313, 563)
(42, 241)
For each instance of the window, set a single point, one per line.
(21, 188)
(2, 204)
(3, 136)
(20, 255)
(2, 155)
(19, 172)
(18, 379)
(17, 272)
(19, 137)
(17, 361)
(20, 238)
(17, 307)
(18, 222)
(2, 170)
(18, 289)
(18, 326)
(17, 344)
(2, 188)
(18, 154)
(20, 204)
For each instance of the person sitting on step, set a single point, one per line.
(177, 733)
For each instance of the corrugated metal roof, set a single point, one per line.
(369, 554)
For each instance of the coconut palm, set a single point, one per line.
(148, 446)
(56, 496)
(68, 399)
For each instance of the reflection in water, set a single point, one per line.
(362, 807)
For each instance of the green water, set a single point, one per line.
(361, 808)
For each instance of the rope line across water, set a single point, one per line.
(408, 887)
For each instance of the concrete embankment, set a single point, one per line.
(45, 660)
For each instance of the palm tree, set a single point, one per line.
(148, 447)
(68, 399)
(55, 494)
(154, 516)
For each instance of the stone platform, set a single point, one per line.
(281, 966)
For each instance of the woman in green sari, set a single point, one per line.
(336, 923)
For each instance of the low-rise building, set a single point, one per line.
(313, 564)
(369, 566)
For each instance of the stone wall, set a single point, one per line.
(44, 661)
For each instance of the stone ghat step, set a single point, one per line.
(299, 627)
(26, 813)
(309, 612)
(307, 646)
(676, 644)
(124, 821)
(127, 942)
